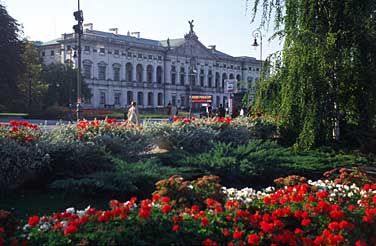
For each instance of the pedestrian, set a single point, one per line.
(173, 113)
(133, 114)
(241, 114)
(221, 111)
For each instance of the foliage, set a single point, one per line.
(313, 213)
(259, 162)
(62, 85)
(29, 82)
(184, 193)
(11, 48)
(324, 80)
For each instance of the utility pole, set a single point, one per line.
(78, 29)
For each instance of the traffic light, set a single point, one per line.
(79, 16)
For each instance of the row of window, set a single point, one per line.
(150, 99)
(140, 98)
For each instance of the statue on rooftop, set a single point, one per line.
(191, 25)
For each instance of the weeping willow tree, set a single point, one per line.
(324, 80)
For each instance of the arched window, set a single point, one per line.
(149, 73)
(116, 69)
(139, 71)
(129, 97)
(102, 67)
(128, 72)
(159, 74)
(150, 99)
(232, 76)
(160, 99)
(173, 75)
(224, 77)
(238, 78)
(217, 78)
(182, 76)
(210, 78)
(140, 98)
(87, 65)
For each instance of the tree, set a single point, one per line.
(325, 82)
(32, 90)
(62, 85)
(11, 48)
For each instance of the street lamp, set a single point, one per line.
(255, 34)
(192, 72)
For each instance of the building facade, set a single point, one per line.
(122, 68)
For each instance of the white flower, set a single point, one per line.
(70, 210)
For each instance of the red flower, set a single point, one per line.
(204, 221)
(306, 222)
(70, 230)
(334, 226)
(225, 233)
(175, 227)
(237, 235)
(166, 209)
(156, 197)
(165, 199)
(360, 243)
(33, 220)
(298, 231)
(254, 239)
(1, 230)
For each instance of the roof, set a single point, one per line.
(173, 42)
(221, 54)
(124, 38)
(51, 42)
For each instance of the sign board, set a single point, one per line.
(202, 98)
(230, 85)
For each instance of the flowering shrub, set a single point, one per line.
(22, 132)
(312, 213)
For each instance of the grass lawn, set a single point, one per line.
(13, 114)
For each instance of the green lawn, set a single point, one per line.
(13, 114)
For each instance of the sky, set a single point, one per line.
(224, 23)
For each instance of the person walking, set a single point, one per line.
(133, 114)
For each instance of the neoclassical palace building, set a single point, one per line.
(123, 68)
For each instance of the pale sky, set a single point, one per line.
(224, 23)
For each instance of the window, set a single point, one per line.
(117, 73)
(87, 71)
(182, 76)
(173, 78)
(182, 101)
(150, 99)
(140, 98)
(102, 50)
(129, 97)
(129, 54)
(159, 75)
(149, 74)
(102, 98)
(102, 72)
(173, 75)
(202, 77)
(257, 69)
(43, 53)
(218, 101)
(160, 99)
(116, 52)
(150, 57)
(139, 55)
(52, 52)
(129, 71)
(117, 98)
(224, 65)
(160, 58)
(250, 68)
(87, 48)
(173, 100)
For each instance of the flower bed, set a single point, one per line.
(306, 213)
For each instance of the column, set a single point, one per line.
(134, 71)
(144, 73)
(187, 77)
(155, 74)
(206, 74)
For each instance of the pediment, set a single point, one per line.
(192, 47)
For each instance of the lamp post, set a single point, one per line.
(192, 72)
(255, 34)
(30, 80)
(78, 29)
